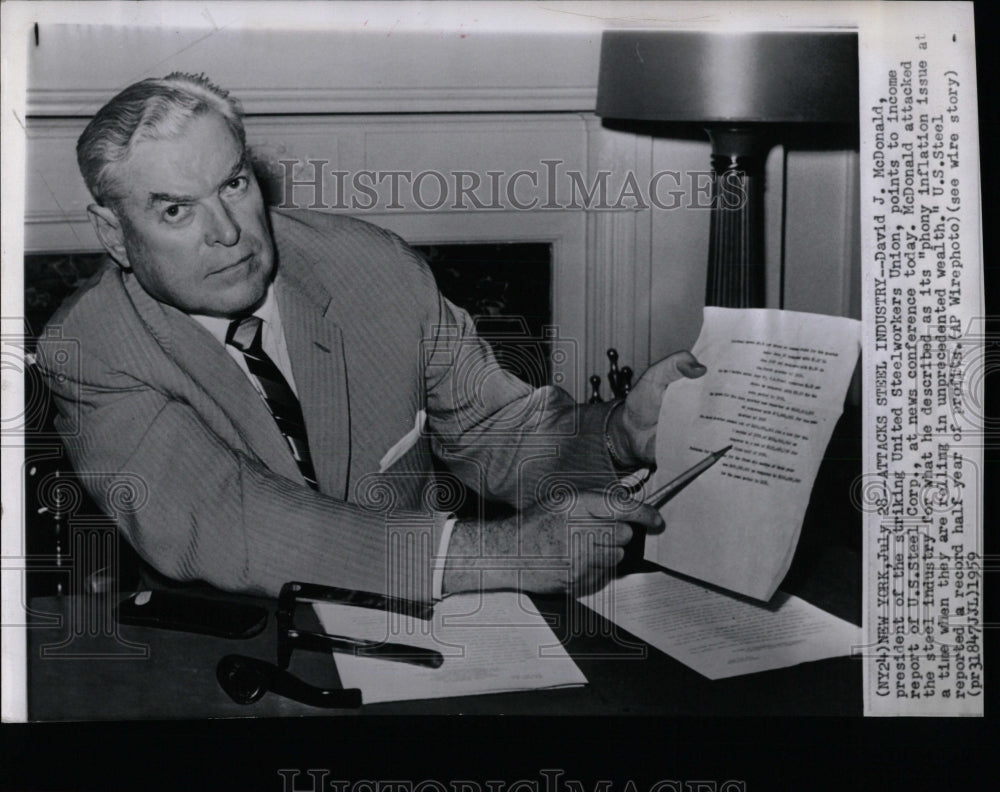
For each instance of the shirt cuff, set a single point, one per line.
(437, 581)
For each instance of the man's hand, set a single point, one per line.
(632, 427)
(548, 548)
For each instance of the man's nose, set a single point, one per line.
(222, 228)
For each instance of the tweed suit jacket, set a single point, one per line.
(171, 438)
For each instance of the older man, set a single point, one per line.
(260, 380)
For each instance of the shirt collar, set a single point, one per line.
(268, 311)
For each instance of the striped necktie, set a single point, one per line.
(245, 335)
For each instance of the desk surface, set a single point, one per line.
(79, 669)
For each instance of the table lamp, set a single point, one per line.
(744, 89)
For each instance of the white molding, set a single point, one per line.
(618, 257)
(821, 251)
(83, 102)
(59, 234)
(327, 68)
(679, 245)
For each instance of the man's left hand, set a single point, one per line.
(632, 427)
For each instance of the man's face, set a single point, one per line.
(193, 222)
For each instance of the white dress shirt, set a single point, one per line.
(272, 339)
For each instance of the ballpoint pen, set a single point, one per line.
(664, 493)
(324, 642)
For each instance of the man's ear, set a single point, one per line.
(109, 230)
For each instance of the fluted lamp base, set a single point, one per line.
(736, 277)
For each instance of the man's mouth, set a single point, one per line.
(238, 263)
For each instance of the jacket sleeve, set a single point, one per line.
(505, 439)
(198, 509)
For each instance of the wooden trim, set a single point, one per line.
(82, 103)
(331, 67)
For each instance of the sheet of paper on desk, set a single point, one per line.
(491, 643)
(774, 389)
(717, 635)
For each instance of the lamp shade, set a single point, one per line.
(729, 77)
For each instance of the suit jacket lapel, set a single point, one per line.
(316, 349)
(208, 363)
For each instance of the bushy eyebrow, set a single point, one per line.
(159, 197)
